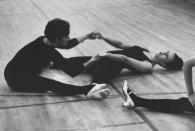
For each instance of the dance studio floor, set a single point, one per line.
(156, 24)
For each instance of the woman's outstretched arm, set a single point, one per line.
(113, 42)
(188, 65)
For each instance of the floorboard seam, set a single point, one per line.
(168, 93)
(38, 95)
(107, 126)
(51, 103)
(39, 9)
(143, 117)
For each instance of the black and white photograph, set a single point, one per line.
(97, 65)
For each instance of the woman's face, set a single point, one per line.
(165, 57)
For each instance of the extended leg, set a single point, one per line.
(163, 105)
(41, 84)
(105, 71)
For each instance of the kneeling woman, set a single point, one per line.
(136, 58)
(183, 104)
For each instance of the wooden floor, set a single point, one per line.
(156, 24)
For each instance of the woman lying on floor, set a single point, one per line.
(136, 58)
(166, 105)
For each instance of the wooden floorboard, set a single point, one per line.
(151, 84)
(72, 115)
(168, 121)
(156, 24)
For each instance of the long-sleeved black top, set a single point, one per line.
(36, 55)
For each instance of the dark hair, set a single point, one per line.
(176, 64)
(56, 29)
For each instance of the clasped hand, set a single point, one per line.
(95, 35)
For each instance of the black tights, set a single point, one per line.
(164, 105)
(26, 82)
(102, 72)
(41, 84)
(105, 70)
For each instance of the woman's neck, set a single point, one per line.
(151, 57)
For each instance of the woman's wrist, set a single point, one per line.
(87, 36)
